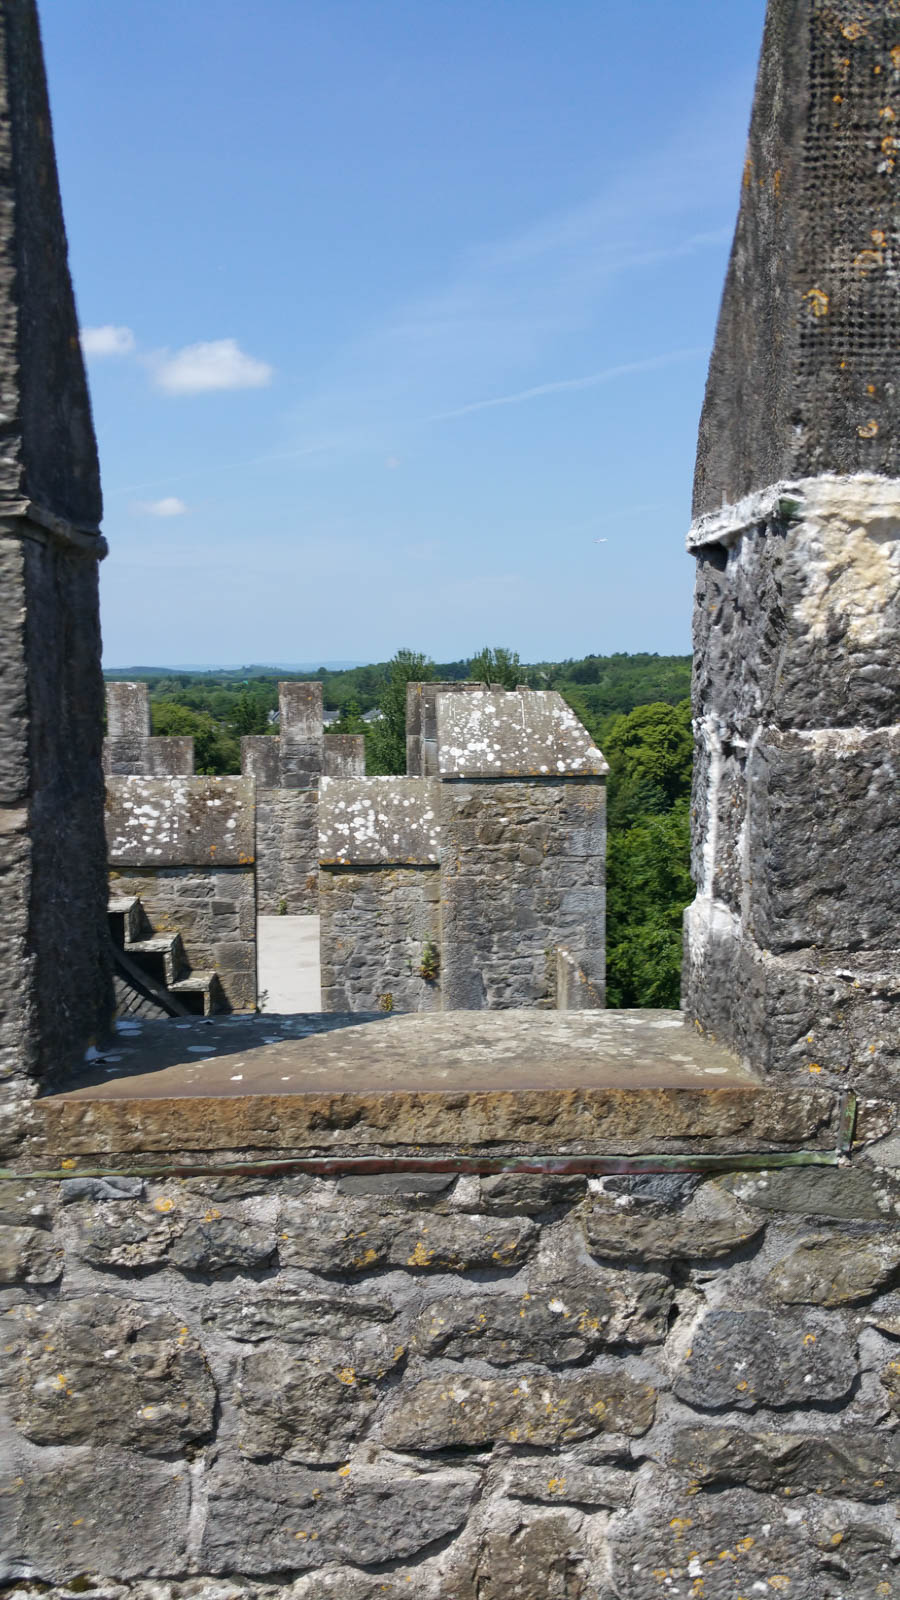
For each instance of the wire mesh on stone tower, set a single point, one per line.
(55, 986)
(792, 942)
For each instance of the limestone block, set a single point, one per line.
(96, 1511)
(817, 1010)
(798, 626)
(345, 755)
(379, 821)
(28, 1255)
(165, 1233)
(707, 1227)
(294, 1318)
(842, 1194)
(551, 1324)
(311, 1406)
(261, 759)
(823, 841)
(848, 1463)
(360, 1239)
(890, 1379)
(103, 1370)
(178, 822)
(127, 710)
(564, 1480)
(265, 1519)
(484, 734)
(26, 1203)
(741, 1544)
(441, 1414)
(751, 1358)
(835, 1271)
(508, 1194)
(542, 1559)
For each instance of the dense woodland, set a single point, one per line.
(635, 706)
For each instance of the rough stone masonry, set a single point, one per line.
(493, 1306)
(793, 941)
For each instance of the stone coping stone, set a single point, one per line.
(180, 822)
(621, 1082)
(379, 822)
(526, 733)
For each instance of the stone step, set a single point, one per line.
(162, 957)
(200, 993)
(127, 919)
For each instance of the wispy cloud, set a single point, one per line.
(169, 506)
(107, 341)
(201, 368)
(509, 309)
(560, 385)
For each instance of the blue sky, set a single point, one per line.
(395, 308)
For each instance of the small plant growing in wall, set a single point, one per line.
(430, 964)
(282, 908)
(386, 1002)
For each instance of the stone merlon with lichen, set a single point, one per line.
(522, 734)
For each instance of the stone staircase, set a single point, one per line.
(153, 976)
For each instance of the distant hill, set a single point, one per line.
(256, 669)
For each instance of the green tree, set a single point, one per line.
(496, 666)
(648, 885)
(386, 739)
(248, 714)
(216, 751)
(350, 720)
(650, 753)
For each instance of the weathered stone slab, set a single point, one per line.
(178, 822)
(848, 1463)
(593, 1081)
(741, 1360)
(102, 1370)
(265, 1519)
(379, 821)
(106, 1512)
(448, 1412)
(552, 1325)
(359, 1238)
(528, 733)
(310, 1407)
(709, 1226)
(835, 1271)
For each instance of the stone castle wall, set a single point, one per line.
(455, 1388)
(523, 874)
(186, 847)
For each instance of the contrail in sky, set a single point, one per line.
(593, 378)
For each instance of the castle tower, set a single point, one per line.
(793, 942)
(54, 983)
